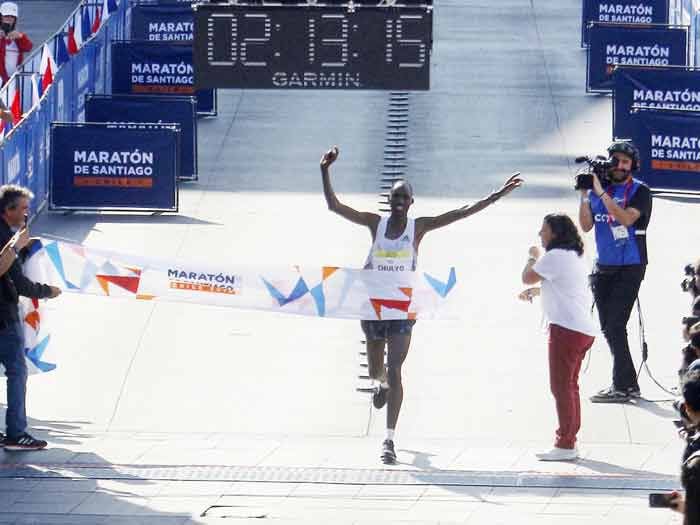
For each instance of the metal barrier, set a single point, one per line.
(687, 13)
(51, 84)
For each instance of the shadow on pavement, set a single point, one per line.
(41, 487)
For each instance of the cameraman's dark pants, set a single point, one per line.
(615, 289)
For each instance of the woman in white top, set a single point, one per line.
(566, 303)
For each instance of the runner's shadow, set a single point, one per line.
(421, 460)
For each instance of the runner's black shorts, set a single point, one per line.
(382, 330)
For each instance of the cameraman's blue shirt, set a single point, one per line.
(631, 250)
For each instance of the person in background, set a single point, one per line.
(13, 43)
(566, 301)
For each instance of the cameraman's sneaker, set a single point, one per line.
(559, 454)
(610, 395)
(24, 442)
(634, 392)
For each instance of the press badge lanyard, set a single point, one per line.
(620, 232)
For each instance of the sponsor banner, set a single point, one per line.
(152, 108)
(622, 12)
(64, 93)
(14, 149)
(99, 42)
(612, 45)
(35, 175)
(672, 88)
(669, 147)
(319, 291)
(111, 166)
(161, 23)
(83, 78)
(36, 322)
(157, 68)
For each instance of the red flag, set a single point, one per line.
(97, 22)
(72, 44)
(15, 104)
(47, 69)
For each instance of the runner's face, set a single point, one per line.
(400, 200)
(623, 169)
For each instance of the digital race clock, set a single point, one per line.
(312, 47)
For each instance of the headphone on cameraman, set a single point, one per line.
(626, 148)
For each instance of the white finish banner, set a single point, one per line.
(320, 291)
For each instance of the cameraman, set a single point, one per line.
(619, 208)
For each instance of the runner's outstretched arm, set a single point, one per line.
(426, 224)
(358, 217)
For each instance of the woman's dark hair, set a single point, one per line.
(566, 235)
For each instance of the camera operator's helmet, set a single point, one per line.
(626, 148)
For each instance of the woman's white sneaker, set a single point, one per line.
(558, 454)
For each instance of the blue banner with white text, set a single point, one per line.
(83, 79)
(674, 88)
(612, 45)
(157, 68)
(152, 108)
(65, 94)
(669, 147)
(622, 12)
(15, 148)
(161, 23)
(114, 167)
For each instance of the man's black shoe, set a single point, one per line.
(610, 395)
(24, 442)
(388, 454)
(379, 397)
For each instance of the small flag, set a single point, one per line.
(4, 126)
(97, 22)
(108, 7)
(62, 55)
(35, 89)
(15, 103)
(47, 69)
(75, 34)
(85, 27)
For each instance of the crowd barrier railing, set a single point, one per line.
(51, 85)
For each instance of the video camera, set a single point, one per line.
(599, 166)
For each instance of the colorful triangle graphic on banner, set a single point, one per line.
(442, 288)
(394, 304)
(130, 284)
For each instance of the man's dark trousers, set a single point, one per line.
(12, 358)
(615, 290)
